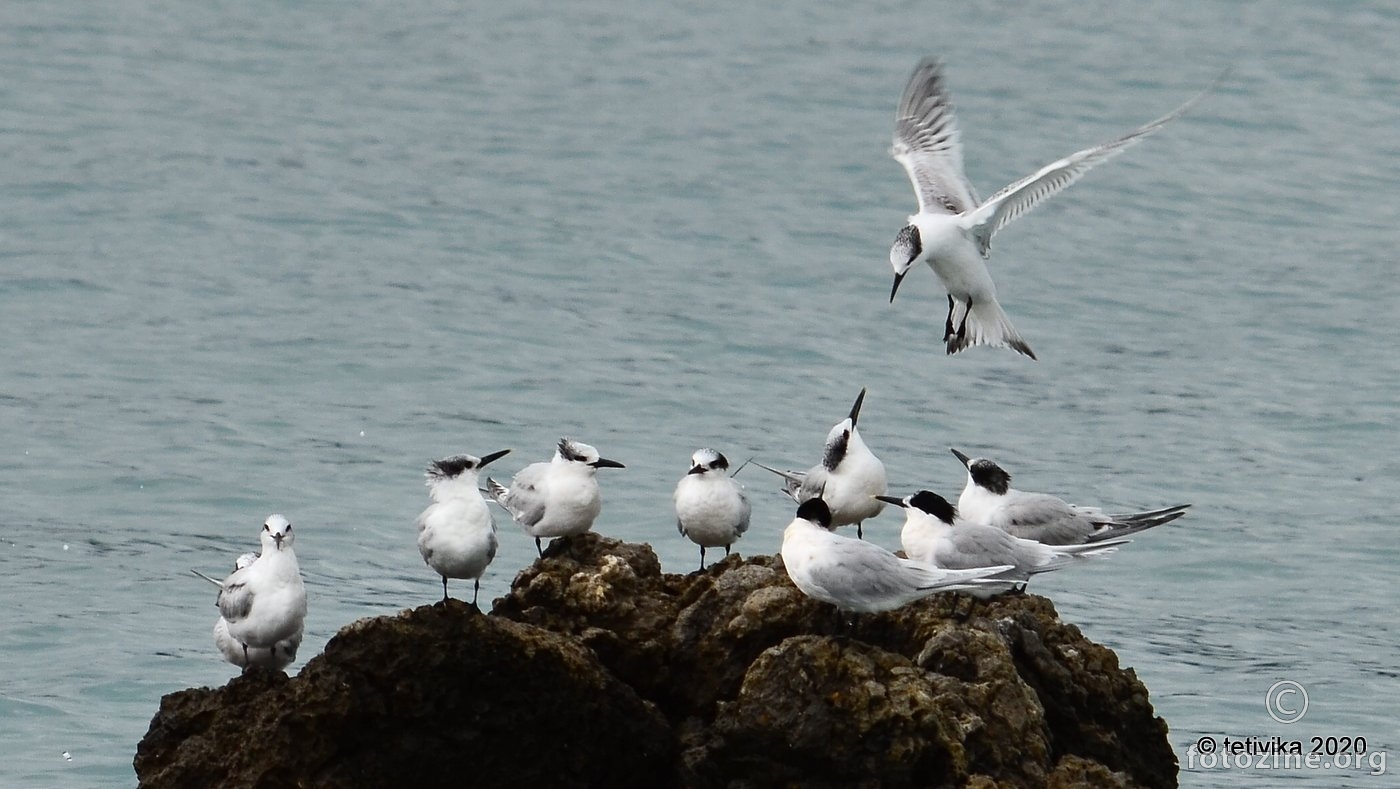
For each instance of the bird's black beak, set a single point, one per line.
(277, 538)
(898, 278)
(493, 457)
(696, 470)
(960, 456)
(891, 500)
(605, 463)
(855, 409)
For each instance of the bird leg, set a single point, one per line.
(444, 588)
(860, 530)
(538, 547)
(948, 325)
(702, 557)
(476, 590)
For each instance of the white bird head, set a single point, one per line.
(904, 253)
(277, 533)
(707, 460)
(986, 474)
(570, 451)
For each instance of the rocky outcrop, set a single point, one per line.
(438, 696)
(598, 669)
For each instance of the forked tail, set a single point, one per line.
(982, 323)
(1132, 523)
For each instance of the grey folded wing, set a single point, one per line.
(808, 486)
(859, 577)
(1046, 519)
(235, 601)
(524, 499)
(745, 511)
(979, 546)
(526, 504)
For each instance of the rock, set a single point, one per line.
(1032, 699)
(725, 677)
(437, 696)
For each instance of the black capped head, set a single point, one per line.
(706, 460)
(934, 505)
(836, 445)
(839, 439)
(906, 249)
(450, 467)
(990, 476)
(816, 511)
(576, 451)
(453, 467)
(579, 452)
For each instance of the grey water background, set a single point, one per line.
(273, 257)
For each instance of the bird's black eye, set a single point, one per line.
(266, 527)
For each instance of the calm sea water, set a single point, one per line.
(273, 257)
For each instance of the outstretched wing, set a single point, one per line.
(928, 144)
(1025, 194)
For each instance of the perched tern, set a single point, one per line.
(264, 603)
(953, 230)
(456, 533)
(989, 498)
(557, 498)
(711, 508)
(278, 656)
(934, 533)
(848, 479)
(855, 575)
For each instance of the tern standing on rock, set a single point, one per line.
(278, 656)
(848, 479)
(855, 575)
(934, 533)
(711, 508)
(953, 231)
(456, 533)
(265, 602)
(989, 498)
(558, 498)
